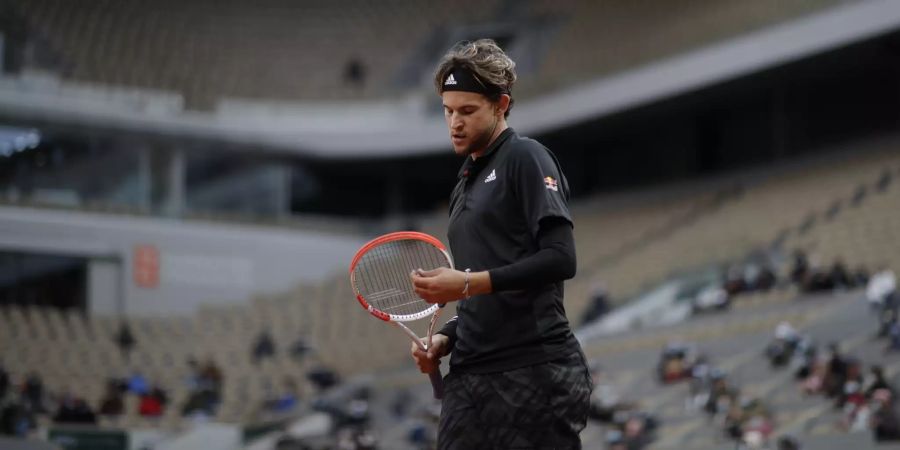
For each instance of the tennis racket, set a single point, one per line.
(380, 274)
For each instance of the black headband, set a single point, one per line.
(462, 79)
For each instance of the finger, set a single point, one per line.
(421, 282)
(428, 295)
(430, 273)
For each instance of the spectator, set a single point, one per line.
(284, 401)
(893, 333)
(205, 397)
(637, 430)
(733, 281)
(817, 374)
(840, 277)
(322, 377)
(721, 395)
(137, 383)
(675, 363)
(33, 393)
(784, 331)
(615, 440)
(160, 394)
(853, 376)
(599, 303)
(401, 402)
(781, 350)
(766, 279)
(805, 358)
(194, 378)
(885, 422)
(861, 276)
(884, 180)
(200, 403)
(16, 419)
(878, 382)
(358, 412)
(74, 410)
(420, 436)
(881, 285)
(112, 404)
(211, 377)
(817, 278)
(788, 443)
(125, 340)
(800, 268)
(264, 347)
(152, 403)
(749, 420)
(300, 348)
(4, 382)
(355, 73)
(289, 397)
(837, 372)
(856, 412)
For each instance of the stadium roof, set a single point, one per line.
(413, 125)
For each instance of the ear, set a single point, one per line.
(503, 104)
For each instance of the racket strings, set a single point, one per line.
(382, 275)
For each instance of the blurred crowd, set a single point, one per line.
(27, 403)
(23, 403)
(864, 396)
(865, 399)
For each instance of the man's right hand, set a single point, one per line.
(430, 361)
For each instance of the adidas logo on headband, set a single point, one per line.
(462, 79)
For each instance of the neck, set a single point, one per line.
(499, 127)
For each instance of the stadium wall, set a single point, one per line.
(145, 266)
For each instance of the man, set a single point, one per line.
(518, 377)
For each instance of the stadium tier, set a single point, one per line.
(207, 50)
(277, 50)
(184, 182)
(75, 353)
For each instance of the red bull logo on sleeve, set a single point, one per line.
(551, 184)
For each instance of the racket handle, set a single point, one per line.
(437, 384)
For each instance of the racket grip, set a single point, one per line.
(437, 384)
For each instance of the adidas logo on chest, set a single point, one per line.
(491, 176)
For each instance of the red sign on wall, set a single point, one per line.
(146, 266)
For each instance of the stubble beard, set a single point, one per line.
(482, 142)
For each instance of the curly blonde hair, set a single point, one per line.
(486, 60)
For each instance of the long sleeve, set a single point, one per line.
(449, 330)
(553, 262)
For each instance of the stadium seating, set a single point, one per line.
(276, 50)
(76, 353)
(771, 204)
(601, 41)
(207, 50)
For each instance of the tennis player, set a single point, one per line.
(518, 377)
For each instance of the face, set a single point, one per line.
(471, 119)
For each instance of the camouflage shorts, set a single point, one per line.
(543, 406)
